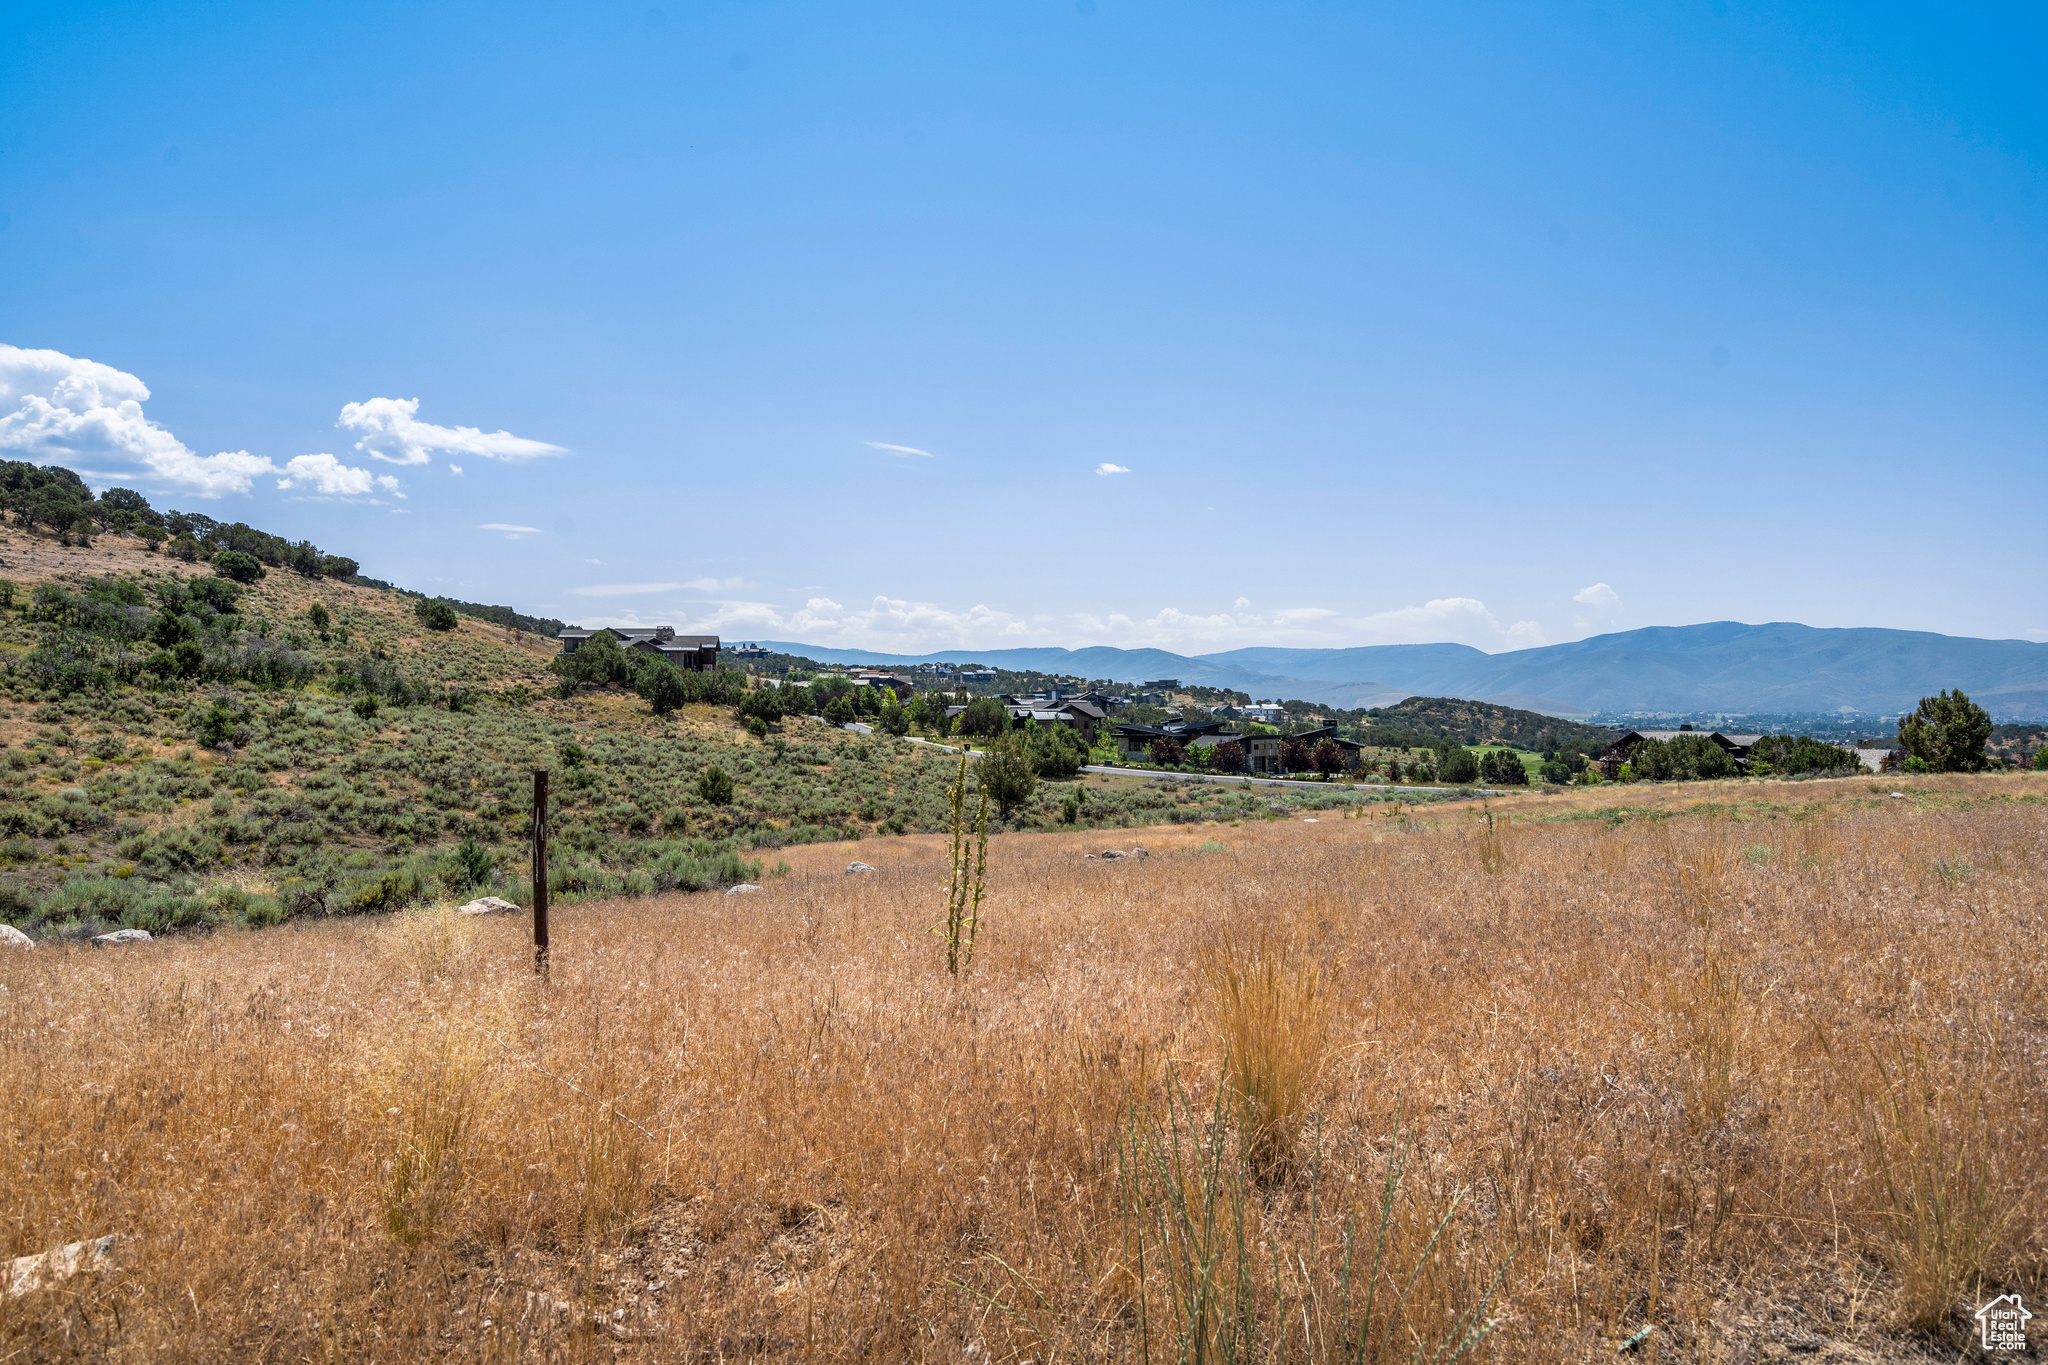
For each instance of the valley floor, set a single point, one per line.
(1754, 1066)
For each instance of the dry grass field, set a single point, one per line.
(1759, 1066)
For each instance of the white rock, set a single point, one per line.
(120, 936)
(1138, 851)
(11, 937)
(1898, 796)
(28, 1273)
(488, 905)
(743, 889)
(852, 868)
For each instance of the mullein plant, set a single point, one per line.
(969, 863)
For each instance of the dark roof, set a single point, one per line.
(1626, 742)
(1173, 729)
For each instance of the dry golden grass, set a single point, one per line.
(1763, 1075)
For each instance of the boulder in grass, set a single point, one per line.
(1110, 854)
(743, 889)
(25, 1274)
(488, 905)
(11, 937)
(852, 868)
(121, 936)
(1138, 851)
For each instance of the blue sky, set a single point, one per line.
(1498, 323)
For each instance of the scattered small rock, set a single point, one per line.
(1089, 857)
(1897, 795)
(11, 937)
(852, 868)
(488, 905)
(26, 1274)
(121, 936)
(743, 889)
(1309, 820)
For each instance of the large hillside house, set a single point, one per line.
(1262, 752)
(1135, 741)
(698, 653)
(1082, 717)
(1614, 755)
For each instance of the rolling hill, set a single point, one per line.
(1717, 666)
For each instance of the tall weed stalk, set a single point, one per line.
(968, 858)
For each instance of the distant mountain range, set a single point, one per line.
(1721, 666)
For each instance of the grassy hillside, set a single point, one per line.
(1429, 720)
(259, 784)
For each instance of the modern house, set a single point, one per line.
(1080, 716)
(1614, 755)
(698, 653)
(1135, 741)
(895, 682)
(1262, 752)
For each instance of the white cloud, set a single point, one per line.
(896, 625)
(55, 407)
(898, 450)
(624, 589)
(1106, 469)
(1464, 620)
(456, 470)
(390, 431)
(713, 584)
(886, 624)
(1599, 595)
(507, 526)
(328, 477)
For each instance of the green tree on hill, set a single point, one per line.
(660, 684)
(1947, 732)
(985, 716)
(243, 568)
(1682, 758)
(432, 612)
(1006, 773)
(1456, 764)
(1503, 768)
(599, 662)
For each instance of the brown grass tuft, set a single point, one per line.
(1271, 1014)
